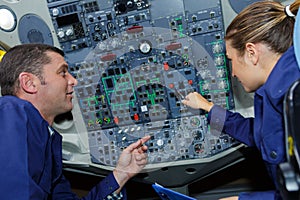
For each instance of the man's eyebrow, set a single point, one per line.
(63, 67)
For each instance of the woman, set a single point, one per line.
(259, 45)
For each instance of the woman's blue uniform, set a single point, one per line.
(266, 130)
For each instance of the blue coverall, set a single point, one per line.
(266, 130)
(31, 157)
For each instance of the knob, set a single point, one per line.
(129, 4)
(61, 34)
(69, 32)
(55, 12)
(145, 47)
(217, 48)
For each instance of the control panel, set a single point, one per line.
(135, 60)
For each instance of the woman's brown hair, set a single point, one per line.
(266, 22)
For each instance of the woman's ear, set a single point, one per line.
(27, 82)
(252, 52)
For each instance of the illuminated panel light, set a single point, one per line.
(8, 20)
(1, 54)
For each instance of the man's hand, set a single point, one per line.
(132, 160)
(230, 198)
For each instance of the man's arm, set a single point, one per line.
(132, 160)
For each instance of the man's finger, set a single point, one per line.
(137, 144)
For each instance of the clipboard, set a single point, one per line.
(168, 194)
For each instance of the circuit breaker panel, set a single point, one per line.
(135, 60)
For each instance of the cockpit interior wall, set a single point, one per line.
(135, 60)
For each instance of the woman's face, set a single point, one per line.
(243, 68)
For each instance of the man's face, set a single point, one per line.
(56, 90)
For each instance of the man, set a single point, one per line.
(36, 87)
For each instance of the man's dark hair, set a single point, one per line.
(23, 58)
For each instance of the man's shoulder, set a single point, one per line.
(15, 104)
(15, 109)
(14, 101)
(8, 99)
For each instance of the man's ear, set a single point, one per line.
(252, 52)
(27, 82)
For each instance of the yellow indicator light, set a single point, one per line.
(1, 54)
(290, 146)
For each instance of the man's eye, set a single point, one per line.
(63, 73)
